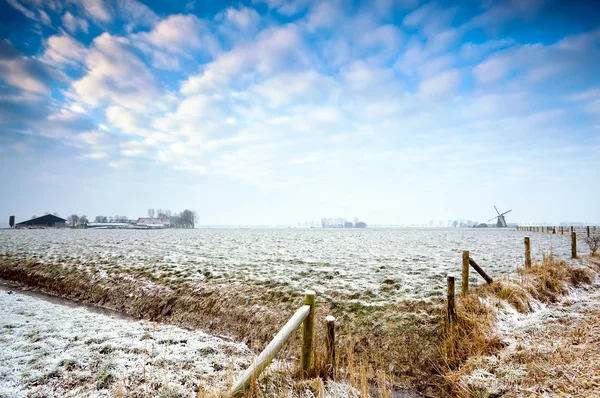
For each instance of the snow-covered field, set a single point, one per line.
(377, 266)
(49, 349)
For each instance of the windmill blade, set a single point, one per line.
(506, 212)
(496, 210)
(493, 218)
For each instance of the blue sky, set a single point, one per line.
(275, 112)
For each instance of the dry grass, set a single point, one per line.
(378, 347)
(472, 345)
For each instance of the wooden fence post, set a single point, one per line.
(554, 230)
(330, 346)
(480, 271)
(307, 334)
(588, 231)
(527, 252)
(465, 273)
(573, 244)
(572, 228)
(451, 308)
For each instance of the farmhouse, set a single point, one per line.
(154, 222)
(48, 220)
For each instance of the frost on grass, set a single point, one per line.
(373, 267)
(52, 350)
(551, 351)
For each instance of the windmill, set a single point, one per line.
(501, 223)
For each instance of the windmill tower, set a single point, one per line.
(501, 223)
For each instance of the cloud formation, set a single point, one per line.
(276, 92)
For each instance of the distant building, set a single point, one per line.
(154, 222)
(48, 220)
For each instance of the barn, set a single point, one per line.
(48, 220)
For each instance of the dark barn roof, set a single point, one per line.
(47, 220)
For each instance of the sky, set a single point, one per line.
(278, 112)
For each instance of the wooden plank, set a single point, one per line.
(330, 346)
(527, 252)
(451, 310)
(265, 357)
(307, 334)
(573, 244)
(480, 271)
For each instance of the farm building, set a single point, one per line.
(48, 220)
(154, 222)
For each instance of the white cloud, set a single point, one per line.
(381, 43)
(243, 18)
(97, 155)
(180, 33)
(324, 14)
(63, 49)
(94, 138)
(293, 88)
(116, 76)
(122, 119)
(136, 12)
(73, 24)
(443, 84)
(505, 11)
(176, 36)
(286, 7)
(44, 17)
(492, 70)
(16, 4)
(361, 76)
(26, 73)
(274, 49)
(97, 9)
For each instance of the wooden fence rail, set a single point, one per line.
(467, 262)
(304, 314)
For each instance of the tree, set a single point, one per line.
(151, 213)
(101, 219)
(83, 220)
(187, 219)
(593, 242)
(73, 219)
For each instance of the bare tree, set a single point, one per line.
(593, 242)
(151, 213)
(73, 219)
(101, 219)
(83, 220)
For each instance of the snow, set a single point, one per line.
(51, 349)
(373, 266)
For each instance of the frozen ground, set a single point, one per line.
(371, 265)
(51, 347)
(55, 350)
(552, 352)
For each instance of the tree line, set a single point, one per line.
(184, 219)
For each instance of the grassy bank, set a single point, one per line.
(380, 347)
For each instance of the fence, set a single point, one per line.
(305, 316)
(561, 229)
